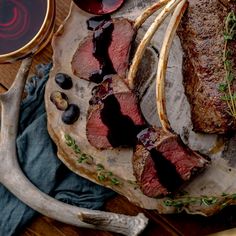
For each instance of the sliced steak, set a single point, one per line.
(85, 65)
(202, 37)
(114, 117)
(162, 163)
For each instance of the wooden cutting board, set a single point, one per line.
(206, 194)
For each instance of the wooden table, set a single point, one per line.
(160, 225)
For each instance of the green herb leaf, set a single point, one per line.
(230, 77)
(226, 98)
(109, 173)
(228, 65)
(222, 87)
(227, 87)
(100, 167)
(115, 181)
(223, 205)
(228, 37)
(101, 177)
(209, 200)
(69, 140)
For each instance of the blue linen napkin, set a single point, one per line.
(38, 159)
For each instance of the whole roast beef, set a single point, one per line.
(114, 117)
(202, 37)
(162, 163)
(114, 35)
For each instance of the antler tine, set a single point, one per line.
(148, 12)
(162, 64)
(14, 93)
(81, 217)
(170, 6)
(15, 181)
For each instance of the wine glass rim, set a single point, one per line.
(31, 46)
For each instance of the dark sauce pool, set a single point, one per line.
(102, 27)
(122, 130)
(20, 21)
(99, 7)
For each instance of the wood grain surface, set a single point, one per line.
(160, 225)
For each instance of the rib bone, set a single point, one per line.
(170, 6)
(162, 64)
(14, 180)
(148, 12)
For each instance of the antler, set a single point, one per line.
(162, 64)
(15, 181)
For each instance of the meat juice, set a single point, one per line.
(20, 21)
(99, 7)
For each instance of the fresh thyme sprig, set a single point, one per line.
(223, 201)
(226, 86)
(82, 157)
(102, 174)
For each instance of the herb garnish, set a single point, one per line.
(222, 201)
(226, 86)
(82, 157)
(102, 174)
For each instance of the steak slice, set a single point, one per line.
(84, 64)
(202, 37)
(114, 117)
(162, 163)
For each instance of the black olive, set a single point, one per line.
(71, 114)
(64, 81)
(60, 100)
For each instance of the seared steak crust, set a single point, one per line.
(201, 33)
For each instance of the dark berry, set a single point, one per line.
(64, 81)
(60, 100)
(71, 114)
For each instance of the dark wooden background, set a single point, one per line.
(160, 225)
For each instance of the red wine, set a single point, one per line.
(20, 21)
(99, 7)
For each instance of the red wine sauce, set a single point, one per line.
(166, 171)
(102, 36)
(122, 130)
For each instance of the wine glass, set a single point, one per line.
(25, 27)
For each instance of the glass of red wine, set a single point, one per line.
(25, 27)
(99, 7)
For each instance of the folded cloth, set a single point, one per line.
(38, 160)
